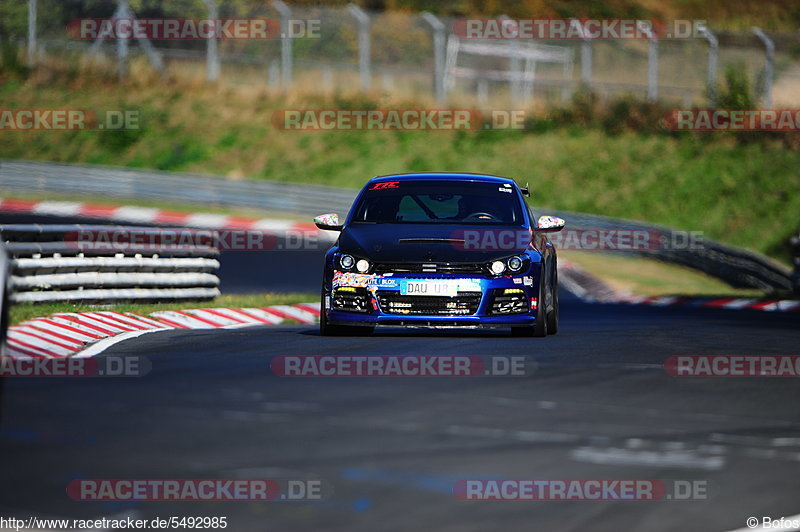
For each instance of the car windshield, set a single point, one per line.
(422, 202)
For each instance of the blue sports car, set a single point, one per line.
(440, 250)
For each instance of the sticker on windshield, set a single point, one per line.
(504, 189)
(385, 185)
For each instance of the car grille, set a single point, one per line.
(429, 267)
(464, 304)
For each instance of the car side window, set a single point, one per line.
(532, 215)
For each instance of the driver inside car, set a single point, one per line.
(481, 207)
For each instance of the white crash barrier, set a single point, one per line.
(46, 265)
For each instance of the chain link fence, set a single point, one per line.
(330, 50)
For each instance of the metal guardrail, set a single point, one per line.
(739, 267)
(150, 184)
(55, 263)
(5, 270)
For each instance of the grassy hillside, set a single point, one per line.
(745, 194)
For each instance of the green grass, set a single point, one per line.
(20, 313)
(746, 195)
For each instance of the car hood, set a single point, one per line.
(432, 243)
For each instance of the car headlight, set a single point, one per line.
(497, 267)
(515, 264)
(346, 261)
(362, 266)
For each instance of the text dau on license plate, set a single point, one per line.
(429, 288)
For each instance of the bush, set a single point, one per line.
(616, 116)
(737, 92)
(10, 56)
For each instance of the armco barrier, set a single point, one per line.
(795, 242)
(739, 267)
(48, 264)
(592, 289)
(5, 271)
(105, 181)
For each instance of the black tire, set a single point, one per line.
(4, 321)
(326, 329)
(539, 329)
(552, 317)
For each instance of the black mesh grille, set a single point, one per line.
(464, 304)
(429, 267)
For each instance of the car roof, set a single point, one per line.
(444, 176)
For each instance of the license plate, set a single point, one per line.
(429, 288)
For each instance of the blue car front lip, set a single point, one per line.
(418, 320)
(481, 318)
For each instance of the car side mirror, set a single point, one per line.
(328, 222)
(550, 224)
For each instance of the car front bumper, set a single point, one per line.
(378, 289)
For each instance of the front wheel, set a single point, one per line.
(552, 317)
(539, 329)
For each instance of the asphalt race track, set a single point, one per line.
(596, 405)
